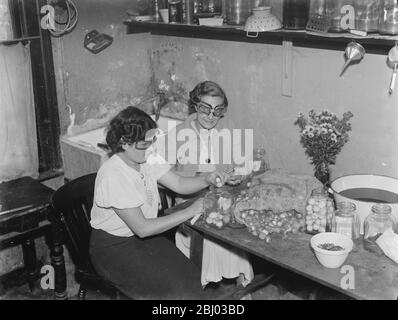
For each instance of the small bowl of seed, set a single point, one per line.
(331, 249)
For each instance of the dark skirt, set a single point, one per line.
(150, 268)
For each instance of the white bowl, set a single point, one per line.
(328, 258)
(211, 22)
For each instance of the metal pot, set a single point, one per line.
(238, 11)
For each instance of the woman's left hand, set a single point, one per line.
(217, 178)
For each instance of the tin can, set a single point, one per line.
(175, 11)
(189, 11)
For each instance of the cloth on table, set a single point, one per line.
(224, 261)
(218, 260)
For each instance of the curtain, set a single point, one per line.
(18, 139)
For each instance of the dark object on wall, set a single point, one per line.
(95, 42)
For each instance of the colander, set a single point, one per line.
(261, 20)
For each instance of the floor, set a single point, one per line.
(286, 286)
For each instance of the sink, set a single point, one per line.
(90, 139)
(81, 154)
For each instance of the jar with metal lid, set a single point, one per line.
(388, 17)
(319, 211)
(260, 163)
(366, 15)
(346, 220)
(378, 221)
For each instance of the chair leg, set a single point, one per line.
(82, 293)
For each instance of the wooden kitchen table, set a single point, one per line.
(26, 215)
(375, 277)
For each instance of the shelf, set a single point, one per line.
(373, 43)
(16, 40)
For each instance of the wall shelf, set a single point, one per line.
(373, 44)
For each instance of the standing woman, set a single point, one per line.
(126, 245)
(204, 127)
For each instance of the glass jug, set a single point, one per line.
(367, 15)
(388, 17)
(378, 221)
(335, 12)
(295, 14)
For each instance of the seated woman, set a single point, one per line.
(203, 128)
(126, 245)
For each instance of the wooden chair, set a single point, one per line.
(72, 205)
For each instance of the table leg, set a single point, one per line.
(29, 257)
(57, 259)
(196, 248)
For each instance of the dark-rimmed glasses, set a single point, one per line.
(207, 109)
(150, 139)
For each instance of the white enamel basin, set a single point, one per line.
(364, 181)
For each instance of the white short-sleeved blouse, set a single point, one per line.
(119, 186)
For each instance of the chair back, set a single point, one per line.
(72, 205)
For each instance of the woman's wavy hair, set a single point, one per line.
(128, 126)
(205, 88)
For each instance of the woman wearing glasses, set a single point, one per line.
(199, 156)
(125, 245)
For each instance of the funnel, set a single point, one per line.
(353, 52)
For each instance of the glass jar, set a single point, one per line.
(378, 221)
(295, 14)
(218, 208)
(334, 11)
(346, 220)
(319, 212)
(317, 7)
(388, 17)
(260, 163)
(366, 15)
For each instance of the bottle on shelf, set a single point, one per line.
(295, 14)
(388, 17)
(175, 11)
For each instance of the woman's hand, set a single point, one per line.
(217, 178)
(196, 208)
